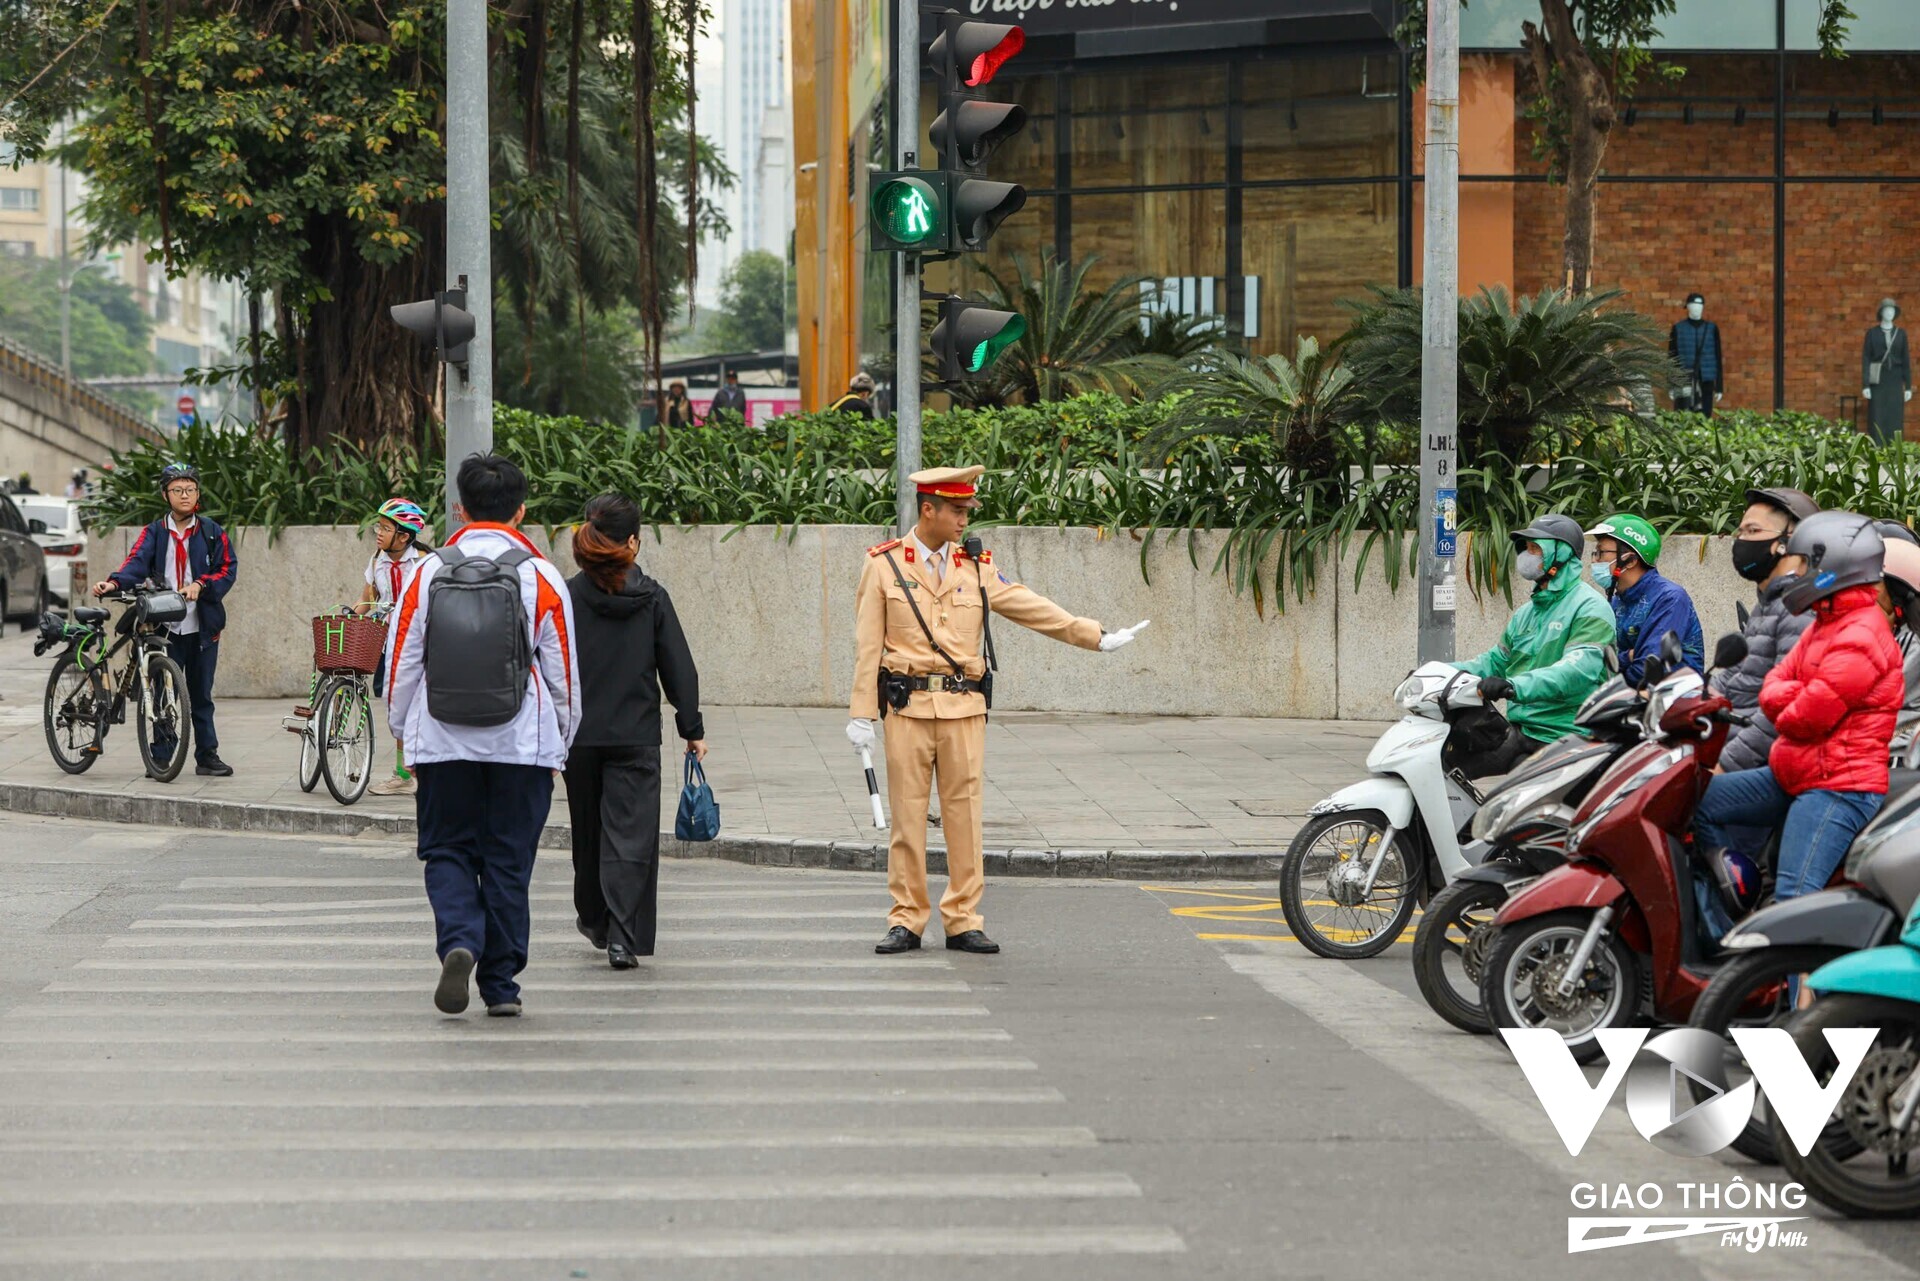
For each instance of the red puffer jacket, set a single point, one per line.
(1834, 698)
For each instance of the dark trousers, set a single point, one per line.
(613, 797)
(479, 829)
(1503, 759)
(197, 657)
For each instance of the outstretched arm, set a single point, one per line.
(1018, 604)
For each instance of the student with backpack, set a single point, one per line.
(484, 688)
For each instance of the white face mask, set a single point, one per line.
(1886, 317)
(1530, 566)
(1695, 310)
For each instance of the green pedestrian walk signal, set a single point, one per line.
(909, 213)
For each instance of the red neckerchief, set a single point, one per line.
(179, 553)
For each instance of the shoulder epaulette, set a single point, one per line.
(885, 547)
(985, 558)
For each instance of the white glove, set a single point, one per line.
(1719, 396)
(1114, 640)
(1866, 393)
(860, 734)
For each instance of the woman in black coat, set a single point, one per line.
(630, 645)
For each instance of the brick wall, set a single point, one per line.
(1847, 244)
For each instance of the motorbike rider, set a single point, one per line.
(1899, 590)
(1548, 660)
(1760, 556)
(1646, 603)
(1833, 699)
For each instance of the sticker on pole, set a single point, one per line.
(1443, 596)
(1446, 527)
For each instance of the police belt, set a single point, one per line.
(940, 682)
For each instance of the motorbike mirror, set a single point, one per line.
(1653, 671)
(1671, 651)
(1730, 650)
(1610, 659)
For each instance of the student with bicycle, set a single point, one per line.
(194, 556)
(399, 535)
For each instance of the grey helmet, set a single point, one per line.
(1842, 550)
(1558, 528)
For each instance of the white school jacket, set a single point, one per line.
(542, 732)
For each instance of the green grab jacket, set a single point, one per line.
(1551, 651)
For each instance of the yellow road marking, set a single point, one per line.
(1251, 909)
(1285, 938)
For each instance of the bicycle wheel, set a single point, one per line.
(346, 739)
(71, 716)
(310, 754)
(165, 727)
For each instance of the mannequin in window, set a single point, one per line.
(1694, 344)
(1886, 372)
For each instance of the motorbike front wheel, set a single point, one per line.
(1450, 951)
(1754, 990)
(1880, 1180)
(1521, 983)
(1323, 885)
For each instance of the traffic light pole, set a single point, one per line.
(906, 272)
(469, 232)
(1440, 341)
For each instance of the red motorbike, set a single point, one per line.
(1613, 936)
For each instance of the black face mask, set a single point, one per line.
(1754, 558)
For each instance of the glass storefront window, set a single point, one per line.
(1716, 119)
(1321, 118)
(1156, 127)
(1305, 250)
(1844, 256)
(1877, 24)
(1695, 24)
(1178, 239)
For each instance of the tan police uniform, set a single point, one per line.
(940, 731)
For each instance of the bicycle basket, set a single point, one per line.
(162, 607)
(343, 643)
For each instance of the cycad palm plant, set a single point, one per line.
(1078, 340)
(1551, 361)
(1299, 403)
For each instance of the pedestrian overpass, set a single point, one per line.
(51, 424)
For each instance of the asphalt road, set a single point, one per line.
(219, 1060)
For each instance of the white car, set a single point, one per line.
(55, 523)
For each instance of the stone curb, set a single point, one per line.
(771, 851)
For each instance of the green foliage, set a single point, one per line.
(1549, 361)
(1079, 338)
(753, 298)
(559, 369)
(1085, 462)
(1295, 405)
(109, 332)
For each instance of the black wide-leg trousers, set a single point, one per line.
(613, 798)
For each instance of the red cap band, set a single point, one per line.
(948, 490)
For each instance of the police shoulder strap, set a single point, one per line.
(907, 587)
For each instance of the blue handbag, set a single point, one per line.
(699, 817)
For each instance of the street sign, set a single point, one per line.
(185, 405)
(1446, 522)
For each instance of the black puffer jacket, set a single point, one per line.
(1771, 631)
(630, 644)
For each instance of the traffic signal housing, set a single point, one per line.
(970, 128)
(970, 337)
(442, 322)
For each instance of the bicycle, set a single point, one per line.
(336, 731)
(84, 696)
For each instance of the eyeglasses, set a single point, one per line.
(182, 488)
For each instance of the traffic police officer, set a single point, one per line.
(921, 612)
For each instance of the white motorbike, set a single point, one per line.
(1373, 851)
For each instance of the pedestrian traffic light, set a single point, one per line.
(442, 321)
(909, 213)
(971, 336)
(970, 128)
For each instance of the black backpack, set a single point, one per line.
(478, 652)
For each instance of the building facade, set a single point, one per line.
(755, 70)
(1259, 161)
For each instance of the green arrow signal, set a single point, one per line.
(989, 351)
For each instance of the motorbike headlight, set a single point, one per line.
(1408, 695)
(1521, 801)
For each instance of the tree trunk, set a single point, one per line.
(363, 378)
(1583, 99)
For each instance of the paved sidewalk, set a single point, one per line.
(1054, 781)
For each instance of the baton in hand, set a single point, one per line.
(873, 790)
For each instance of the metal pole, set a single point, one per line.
(66, 272)
(469, 249)
(906, 276)
(1440, 337)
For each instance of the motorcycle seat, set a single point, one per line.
(89, 614)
